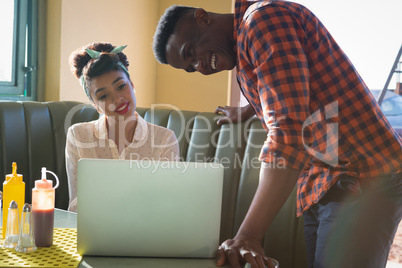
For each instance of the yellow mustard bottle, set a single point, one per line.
(13, 189)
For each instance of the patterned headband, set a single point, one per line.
(95, 55)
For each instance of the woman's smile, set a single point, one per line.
(123, 108)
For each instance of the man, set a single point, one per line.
(319, 116)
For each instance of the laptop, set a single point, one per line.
(148, 208)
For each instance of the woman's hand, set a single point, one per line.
(234, 114)
(239, 251)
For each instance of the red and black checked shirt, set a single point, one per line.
(319, 115)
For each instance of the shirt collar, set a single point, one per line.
(141, 130)
(100, 130)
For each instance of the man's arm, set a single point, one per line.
(234, 114)
(273, 190)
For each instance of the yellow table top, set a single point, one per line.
(63, 252)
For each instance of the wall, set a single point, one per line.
(120, 22)
(52, 51)
(192, 91)
(75, 23)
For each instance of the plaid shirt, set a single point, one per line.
(319, 115)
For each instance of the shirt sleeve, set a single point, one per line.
(72, 157)
(274, 50)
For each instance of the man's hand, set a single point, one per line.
(274, 187)
(234, 114)
(239, 251)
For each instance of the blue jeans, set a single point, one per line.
(354, 224)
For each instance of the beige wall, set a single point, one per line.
(120, 22)
(52, 48)
(132, 23)
(192, 91)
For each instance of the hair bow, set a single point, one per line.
(95, 54)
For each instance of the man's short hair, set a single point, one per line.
(165, 29)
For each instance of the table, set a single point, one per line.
(65, 219)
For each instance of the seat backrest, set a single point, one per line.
(237, 148)
(33, 134)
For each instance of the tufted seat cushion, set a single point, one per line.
(33, 134)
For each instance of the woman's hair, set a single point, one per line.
(84, 67)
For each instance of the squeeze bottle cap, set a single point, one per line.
(14, 177)
(44, 183)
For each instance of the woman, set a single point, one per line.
(119, 133)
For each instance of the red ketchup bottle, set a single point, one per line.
(43, 196)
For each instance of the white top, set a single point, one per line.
(90, 140)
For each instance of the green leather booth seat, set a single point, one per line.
(33, 134)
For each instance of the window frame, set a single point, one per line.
(25, 53)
